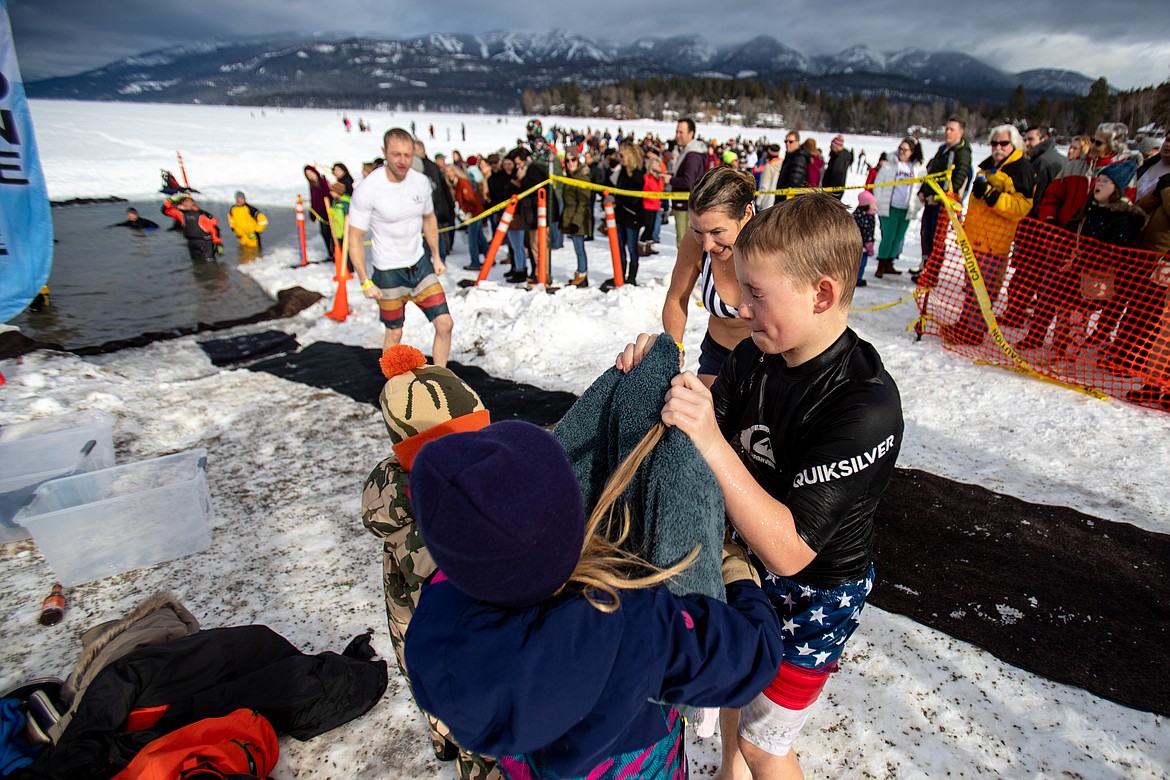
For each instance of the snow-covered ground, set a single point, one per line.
(286, 462)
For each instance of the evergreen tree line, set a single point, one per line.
(802, 108)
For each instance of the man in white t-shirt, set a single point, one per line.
(394, 204)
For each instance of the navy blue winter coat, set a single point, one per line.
(579, 685)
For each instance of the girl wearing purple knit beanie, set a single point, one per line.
(541, 642)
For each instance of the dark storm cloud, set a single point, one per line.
(1127, 41)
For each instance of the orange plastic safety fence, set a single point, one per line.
(1072, 308)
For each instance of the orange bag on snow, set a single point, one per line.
(239, 745)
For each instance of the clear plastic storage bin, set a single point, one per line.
(107, 522)
(36, 451)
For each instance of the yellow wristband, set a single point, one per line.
(367, 284)
(680, 346)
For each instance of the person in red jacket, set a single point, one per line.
(1064, 204)
(816, 162)
(467, 198)
(654, 181)
(200, 228)
(1067, 197)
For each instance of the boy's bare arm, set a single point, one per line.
(765, 524)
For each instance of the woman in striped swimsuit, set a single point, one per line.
(720, 204)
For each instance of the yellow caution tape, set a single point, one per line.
(498, 207)
(885, 305)
(588, 185)
(658, 195)
(981, 295)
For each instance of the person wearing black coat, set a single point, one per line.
(1030, 266)
(629, 211)
(1046, 162)
(440, 193)
(840, 160)
(794, 169)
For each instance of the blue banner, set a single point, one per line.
(26, 227)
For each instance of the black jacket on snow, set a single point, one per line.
(208, 674)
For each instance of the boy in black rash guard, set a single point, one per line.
(801, 428)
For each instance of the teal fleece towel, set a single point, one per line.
(674, 500)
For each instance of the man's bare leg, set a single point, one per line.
(393, 336)
(444, 324)
(765, 766)
(733, 766)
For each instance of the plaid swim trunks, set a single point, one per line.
(418, 283)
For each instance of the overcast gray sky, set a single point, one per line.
(1127, 41)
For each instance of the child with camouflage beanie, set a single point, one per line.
(419, 403)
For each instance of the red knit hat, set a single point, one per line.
(838, 142)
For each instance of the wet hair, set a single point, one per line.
(807, 237)
(132, 211)
(399, 134)
(725, 189)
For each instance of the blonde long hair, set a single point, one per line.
(604, 567)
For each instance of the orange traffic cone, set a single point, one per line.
(340, 308)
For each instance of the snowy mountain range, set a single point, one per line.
(488, 71)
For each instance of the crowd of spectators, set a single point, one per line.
(1026, 176)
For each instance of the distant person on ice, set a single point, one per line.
(247, 222)
(395, 206)
(200, 228)
(136, 222)
(538, 641)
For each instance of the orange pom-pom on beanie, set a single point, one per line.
(399, 359)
